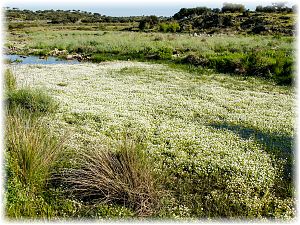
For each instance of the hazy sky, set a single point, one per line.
(130, 7)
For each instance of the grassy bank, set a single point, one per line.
(219, 146)
(269, 57)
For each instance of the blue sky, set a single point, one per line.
(130, 7)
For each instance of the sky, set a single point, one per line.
(130, 7)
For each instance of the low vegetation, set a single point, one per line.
(31, 151)
(122, 177)
(186, 153)
(228, 40)
(202, 127)
(265, 57)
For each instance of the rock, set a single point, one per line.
(69, 57)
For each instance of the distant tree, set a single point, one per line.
(279, 5)
(148, 22)
(153, 20)
(143, 24)
(72, 18)
(188, 12)
(231, 7)
(259, 8)
(216, 10)
(181, 14)
(275, 7)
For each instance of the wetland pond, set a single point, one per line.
(30, 59)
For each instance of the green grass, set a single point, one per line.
(10, 81)
(32, 100)
(214, 157)
(31, 154)
(31, 151)
(239, 54)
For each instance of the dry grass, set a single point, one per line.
(123, 177)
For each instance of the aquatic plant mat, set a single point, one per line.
(219, 146)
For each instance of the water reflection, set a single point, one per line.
(38, 60)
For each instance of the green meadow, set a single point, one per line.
(149, 125)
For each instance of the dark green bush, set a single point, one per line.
(195, 60)
(284, 70)
(229, 63)
(158, 53)
(277, 66)
(257, 64)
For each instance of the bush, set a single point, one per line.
(169, 27)
(164, 53)
(229, 63)
(122, 177)
(158, 52)
(12, 26)
(195, 60)
(284, 70)
(31, 100)
(257, 64)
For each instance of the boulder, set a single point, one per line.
(69, 57)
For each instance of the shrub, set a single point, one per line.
(195, 60)
(164, 53)
(284, 70)
(12, 26)
(31, 100)
(169, 27)
(158, 53)
(123, 177)
(41, 52)
(163, 27)
(229, 63)
(257, 64)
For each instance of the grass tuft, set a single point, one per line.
(31, 100)
(33, 149)
(123, 177)
(10, 81)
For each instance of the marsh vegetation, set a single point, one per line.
(149, 125)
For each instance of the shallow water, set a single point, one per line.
(37, 60)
